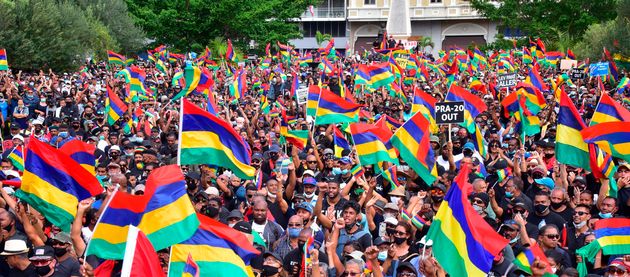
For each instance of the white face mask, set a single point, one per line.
(271, 195)
(394, 199)
(231, 225)
(309, 195)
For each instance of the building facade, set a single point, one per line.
(447, 22)
(329, 17)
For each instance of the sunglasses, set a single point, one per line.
(250, 195)
(580, 213)
(400, 233)
(616, 271)
(553, 236)
(478, 201)
(311, 162)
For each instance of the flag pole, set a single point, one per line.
(87, 247)
(181, 124)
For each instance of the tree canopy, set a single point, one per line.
(190, 25)
(547, 18)
(41, 34)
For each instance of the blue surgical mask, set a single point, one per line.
(606, 215)
(294, 232)
(344, 171)
(515, 239)
(336, 170)
(382, 255)
(509, 194)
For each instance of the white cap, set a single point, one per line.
(391, 220)
(20, 137)
(212, 191)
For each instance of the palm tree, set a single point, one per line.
(218, 47)
(425, 42)
(320, 38)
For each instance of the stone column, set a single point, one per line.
(398, 21)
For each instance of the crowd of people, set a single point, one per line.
(360, 224)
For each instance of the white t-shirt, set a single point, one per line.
(259, 228)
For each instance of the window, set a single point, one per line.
(436, 1)
(369, 2)
(334, 28)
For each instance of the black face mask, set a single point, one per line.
(437, 199)
(301, 245)
(556, 205)
(549, 155)
(43, 270)
(540, 208)
(349, 227)
(212, 211)
(269, 270)
(399, 241)
(60, 251)
(8, 227)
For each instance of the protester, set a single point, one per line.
(315, 204)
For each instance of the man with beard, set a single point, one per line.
(267, 229)
(329, 202)
(349, 230)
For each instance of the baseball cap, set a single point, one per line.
(42, 253)
(309, 181)
(328, 151)
(243, 226)
(308, 172)
(304, 206)
(546, 181)
(63, 237)
(356, 254)
(345, 160)
(235, 214)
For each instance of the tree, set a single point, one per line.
(182, 23)
(320, 38)
(40, 34)
(614, 35)
(425, 42)
(547, 18)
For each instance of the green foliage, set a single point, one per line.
(547, 18)
(320, 38)
(613, 34)
(180, 24)
(40, 34)
(424, 43)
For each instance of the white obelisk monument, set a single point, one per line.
(399, 22)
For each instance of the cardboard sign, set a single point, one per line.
(567, 64)
(577, 74)
(598, 69)
(302, 95)
(449, 112)
(506, 80)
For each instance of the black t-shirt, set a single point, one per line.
(293, 261)
(29, 271)
(281, 218)
(338, 207)
(550, 218)
(567, 214)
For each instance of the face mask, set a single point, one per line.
(344, 171)
(606, 215)
(548, 155)
(60, 252)
(579, 225)
(540, 208)
(271, 195)
(140, 140)
(556, 205)
(309, 195)
(336, 170)
(394, 199)
(437, 199)
(399, 241)
(269, 270)
(294, 232)
(231, 225)
(382, 255)
(388, 215)
(349, 227)
(43, 270)
(509, 194)
(212, 211)
(478, 209)
(300, 245)
(554, 269)
(514, 239)
(8, 227)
